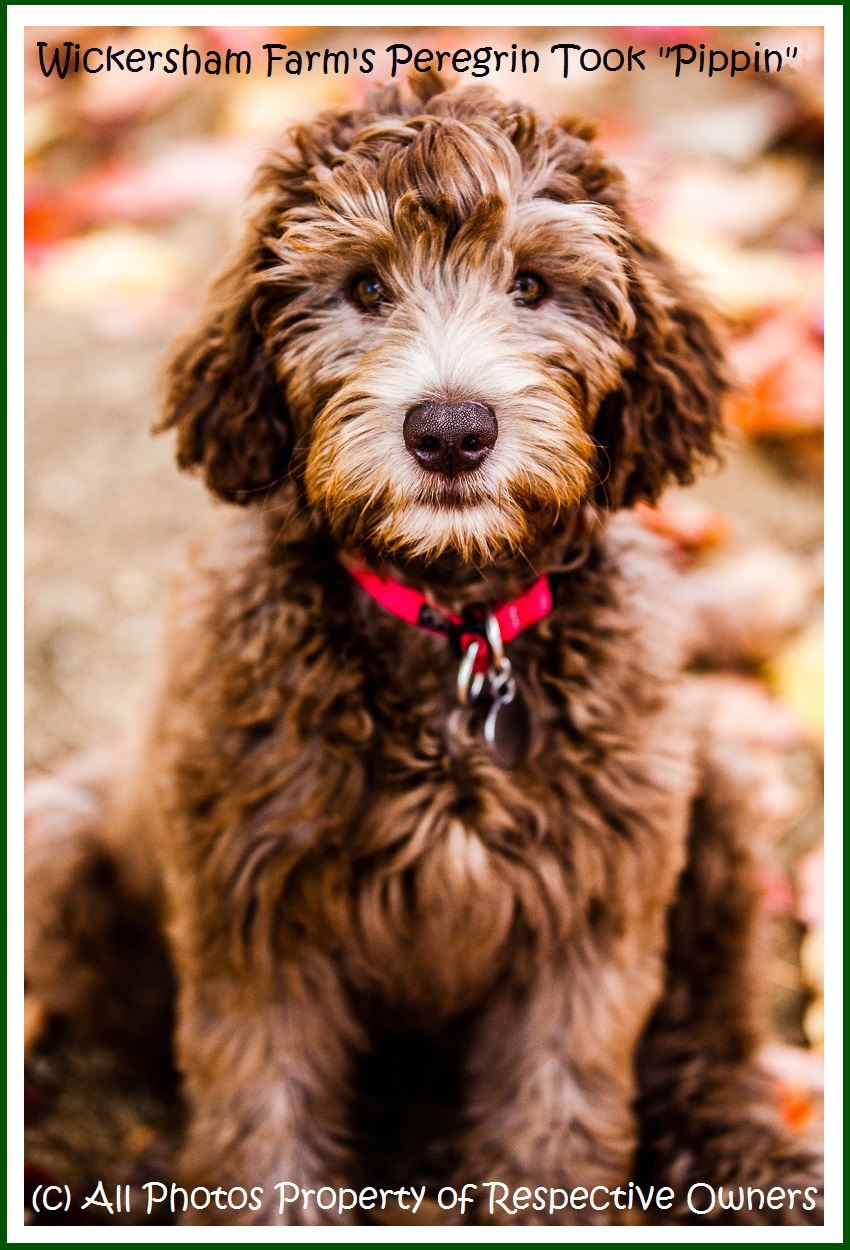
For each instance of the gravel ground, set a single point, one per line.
(107, 516)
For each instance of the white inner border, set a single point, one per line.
(829, 16)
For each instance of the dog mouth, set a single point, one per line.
(473, 522)
(456, 493)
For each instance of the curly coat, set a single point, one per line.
(344, 863)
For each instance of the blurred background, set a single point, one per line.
(134, 184)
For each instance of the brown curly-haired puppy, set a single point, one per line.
(445, 354)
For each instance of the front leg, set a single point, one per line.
(267, 1079)
(552, 1094)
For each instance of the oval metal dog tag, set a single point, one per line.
(507, 730)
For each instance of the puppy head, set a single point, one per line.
(445, 325)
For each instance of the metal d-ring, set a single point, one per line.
(469, 683)
(494, 638)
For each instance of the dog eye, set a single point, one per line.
(528, 289)
(369, 291)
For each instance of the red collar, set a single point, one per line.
(412, 606)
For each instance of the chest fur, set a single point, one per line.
(322, 782)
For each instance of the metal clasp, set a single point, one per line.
(499, 675)
(469, 683)
(494, 639)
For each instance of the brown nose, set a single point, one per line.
(450, 438)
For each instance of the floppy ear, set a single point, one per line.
(221, 393)
(665, 417)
